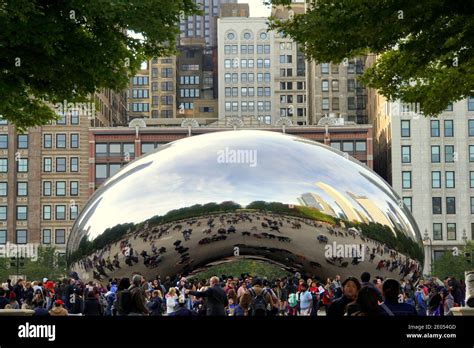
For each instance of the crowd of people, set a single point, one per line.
(235, 296)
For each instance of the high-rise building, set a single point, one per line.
(196, 94)
(204, 25)
(261, 73)
(433, 172)
(152, 92)
(44, 172)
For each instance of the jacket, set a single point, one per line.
(58, 312)
(138, 302)
(92, 307)
(216, 300)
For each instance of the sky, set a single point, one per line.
(257, 8)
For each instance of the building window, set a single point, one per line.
(435, 179)
(437, 231)
(450, 180)
(406, 154)
(75, 117)
(361, 146)
(46, 188)
(22, 213)
(60, 164)
(61, 141)
(101, 171)
(47, 141)
(47, 164)
(405, 127)
(472, 205)
(60, 188)
(62, 119)
(450, 205)
(435, 157)
(470, 103)
(22, 165)
(449, 153)
(406, 180)
(471, 153)
(100, 150)
(448, 128)
(46, 212)
(434, 128)
(3, 141)
(22, 141)
(348, 146)
(3, 165)
(471, 177)
(335, 85)
(325, 104)
(471, 128)
(3, 237)
(437, 209)
(60, 236)
(46, 237)
(3, 213)
(114, 168)
(73, 211)
(325, 85)
(60, 212)
(22, 189)
(3, 189)
(451, 231)
(408, 202)
(74, 188)
(325, 68)
(74, 141)
(21, 237)
(74, 164)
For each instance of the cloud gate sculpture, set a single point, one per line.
(227, 195)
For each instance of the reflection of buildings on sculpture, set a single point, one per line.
(313, 200)
(347, 208)
(374, 213)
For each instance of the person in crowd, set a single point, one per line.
(365, 281)
(261, 301)
(58, 309)
(366, 304)
(137, 297)
(216, 298)
(182, 311)
(122, 297)
(305, 301)
(171, 301)
(92, 306)
(391, 306)
(40, 311)
(156, 304)
(3, 299)
(350, 288)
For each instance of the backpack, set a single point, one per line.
(125, 302)
(292, 300)
(258, 306)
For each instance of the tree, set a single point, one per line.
(425, 47)
(67, 50)
(48, 264)
(454, 265)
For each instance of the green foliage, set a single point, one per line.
(69, 49)
(455, 266)
(48, 264)
(236, 268)
(397, 241)
(425, 48)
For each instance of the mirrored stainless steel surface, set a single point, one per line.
(253, 194)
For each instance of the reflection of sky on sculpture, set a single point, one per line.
(187, 173)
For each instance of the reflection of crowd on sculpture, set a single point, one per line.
(236, 296)
(214, 228)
